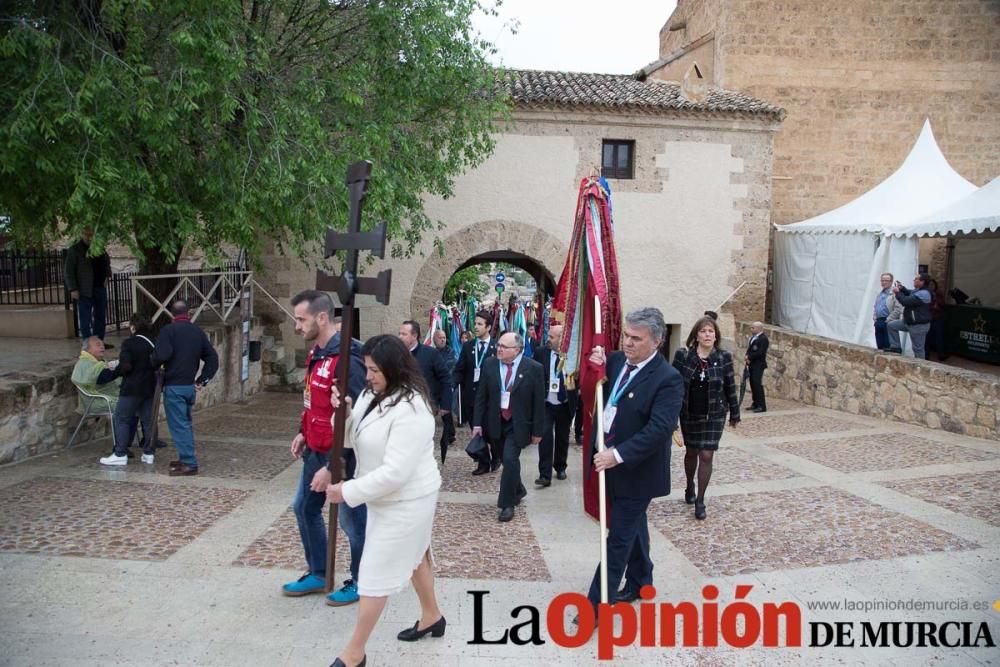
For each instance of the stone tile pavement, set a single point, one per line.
(132, 567)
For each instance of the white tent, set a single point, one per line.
(827, 267)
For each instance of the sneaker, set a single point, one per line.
(147, 458)
(348, 594)
(304, 585)
(112, 460)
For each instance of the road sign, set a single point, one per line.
(499, 287)
(500, 276)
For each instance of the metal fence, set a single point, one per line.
(36, 278)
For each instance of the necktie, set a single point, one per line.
(482, 346)
(561, 394)
(506, 414)
(628, 372)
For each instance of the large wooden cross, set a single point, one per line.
(347, 285)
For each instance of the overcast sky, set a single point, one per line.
(578, 35)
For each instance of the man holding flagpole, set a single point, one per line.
(642, 400)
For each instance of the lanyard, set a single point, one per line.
(513, 376)
(616, 394)
(486, 349)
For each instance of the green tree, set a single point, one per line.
(167, 124)
(467, 279)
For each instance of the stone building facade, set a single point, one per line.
(691, 225)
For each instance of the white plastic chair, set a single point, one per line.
(92, 398)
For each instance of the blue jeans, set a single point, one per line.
(127, 412)
(91, 311)
(881, 335)
(178, 401)
(308, 507)
(628, 546)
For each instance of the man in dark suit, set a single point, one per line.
(560, 406)
(642, 398)
(756, 360)
(468, 368)
(432, 366)
(510, 411)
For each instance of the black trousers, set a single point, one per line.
(628, 550)
(578, 421)
(757, 386)
(554, 447)
(511, 487)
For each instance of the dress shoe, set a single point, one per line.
(759, 410)
(340, 663)
(496, 466)
(699, 511)
(506, 514)
(689, 495)
(560, 474)
(175, 464)
(183, 471)
(413, 634)
(543, 482)
(480, 471)
(625, 595)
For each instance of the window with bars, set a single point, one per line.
(618, 159)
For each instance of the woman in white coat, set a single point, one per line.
(392, 432)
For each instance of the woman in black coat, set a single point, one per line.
(709, 393)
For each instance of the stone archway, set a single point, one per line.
(484, 238)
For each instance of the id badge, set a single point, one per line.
(475, 375)
(609, 417)
(554, 387)
(306, 398)
(505, 400)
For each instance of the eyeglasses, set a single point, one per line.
(509, 347)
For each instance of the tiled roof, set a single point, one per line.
(623, 92)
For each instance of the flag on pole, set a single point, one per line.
(591, 270)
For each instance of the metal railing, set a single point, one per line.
(33, 278)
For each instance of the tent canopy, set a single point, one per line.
(924, 182)
(975, 213)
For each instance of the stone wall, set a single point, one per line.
(861, 380)
(857, 80)
(38, 410)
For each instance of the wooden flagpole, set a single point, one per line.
(601, 488)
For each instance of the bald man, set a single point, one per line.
(560, 406)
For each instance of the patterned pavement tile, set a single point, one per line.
(224, 460)
(781, 530)
(106, 519)
(767, 425)
(968, 494)
(280, 546)
(241, 426)
(468, 543)
(881, 451)
(730, 466)
(456, 473)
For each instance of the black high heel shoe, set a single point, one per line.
(699, 511)
(689, 495)
(340, 663)
(413, 634)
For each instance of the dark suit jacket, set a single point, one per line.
(527, 401)
(646, 418)
(543, 355)
(465, 370)
(757, 352)
(721, 382)
(435, 372)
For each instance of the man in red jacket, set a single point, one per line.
(315, 322)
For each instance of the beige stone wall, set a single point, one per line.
(857, 80)
(831, 374)
(690, 227)
(38, 410)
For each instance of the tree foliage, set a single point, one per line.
(467, 279)
(175, 123)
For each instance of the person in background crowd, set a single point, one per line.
(560, 406)
(466, 376)
(392, 428)
(709, 393)
(916, 315)
(182, 348)
(881, 312)
(935, 335)
(756, 360)
(135, 399)
(447, 419)
(434, 368)
(85, 277)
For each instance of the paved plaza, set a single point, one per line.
(132, 567)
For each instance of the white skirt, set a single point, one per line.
(397, 535)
